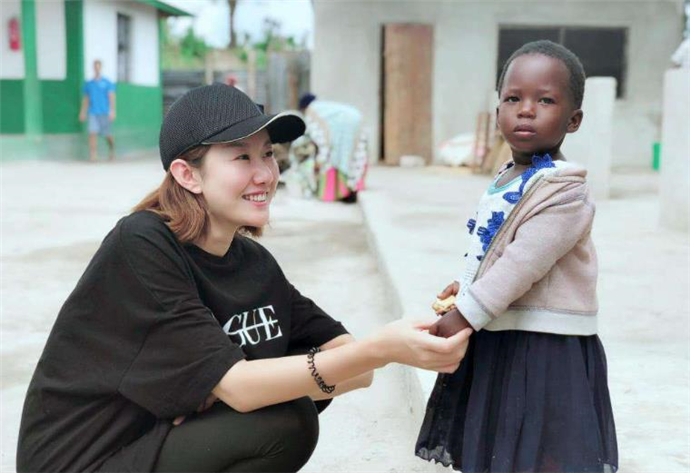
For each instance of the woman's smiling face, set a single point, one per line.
(238, 181)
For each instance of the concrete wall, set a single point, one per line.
(51, 43)
(675, 151)
(347, 57)
(100, 40)
(591, 144)
(11, 62)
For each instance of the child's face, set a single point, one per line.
(536, 107)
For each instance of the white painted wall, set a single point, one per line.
(11, 62)
(675, 151)
(591, 144)
(51, 42)
(346, 62)
(100, 40)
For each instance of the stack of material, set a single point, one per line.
(482, 139)
(498, 154)
(281, 152)
(490, 150)
(458, 151)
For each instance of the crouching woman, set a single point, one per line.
(176, 350)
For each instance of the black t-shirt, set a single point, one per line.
(150, 329)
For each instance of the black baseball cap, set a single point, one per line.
(219, 113)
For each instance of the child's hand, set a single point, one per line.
(451, 289)
(449, 324)
(446, 299)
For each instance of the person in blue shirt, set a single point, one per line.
(98, 105)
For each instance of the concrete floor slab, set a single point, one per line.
(416, 222)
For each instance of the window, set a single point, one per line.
(124, 28)
(601, 50)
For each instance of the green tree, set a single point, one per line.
(271, 40)
(187, 52)
(192, 46)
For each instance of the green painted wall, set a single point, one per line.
(139, 114)
(11, 106)
(61, 102)
(136, 128)
(59, 99)
(62, 98)
(33, 108)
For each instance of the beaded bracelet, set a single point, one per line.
(317, 377)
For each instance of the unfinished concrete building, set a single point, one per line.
(422, 70)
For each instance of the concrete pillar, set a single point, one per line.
(33, 103)
(591, 144)
(675, 151)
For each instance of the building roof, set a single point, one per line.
(165, 8)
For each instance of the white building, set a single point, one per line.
(47, 54)
(422, 70)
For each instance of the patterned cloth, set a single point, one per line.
(341, 160)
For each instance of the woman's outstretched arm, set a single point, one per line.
(251, 385)
(363, 380)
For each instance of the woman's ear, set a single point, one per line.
(575, 121)
(186, 176)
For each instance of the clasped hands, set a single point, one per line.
(451, 321)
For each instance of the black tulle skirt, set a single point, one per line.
(523, 402)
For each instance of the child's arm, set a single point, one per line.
(449, 324)
(540, 241)
(451, 321)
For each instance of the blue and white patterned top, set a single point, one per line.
(493, 209)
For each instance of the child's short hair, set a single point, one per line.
(556, 51)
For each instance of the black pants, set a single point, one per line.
(276, 438)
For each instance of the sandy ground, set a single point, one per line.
(54, 216)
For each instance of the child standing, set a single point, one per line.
(531, 394)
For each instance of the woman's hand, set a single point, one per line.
(409, 342)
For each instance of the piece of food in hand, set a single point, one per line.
(443, 306)
(449, 324)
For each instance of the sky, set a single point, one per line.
(211, 20)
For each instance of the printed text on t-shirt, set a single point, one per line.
(254, 326)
